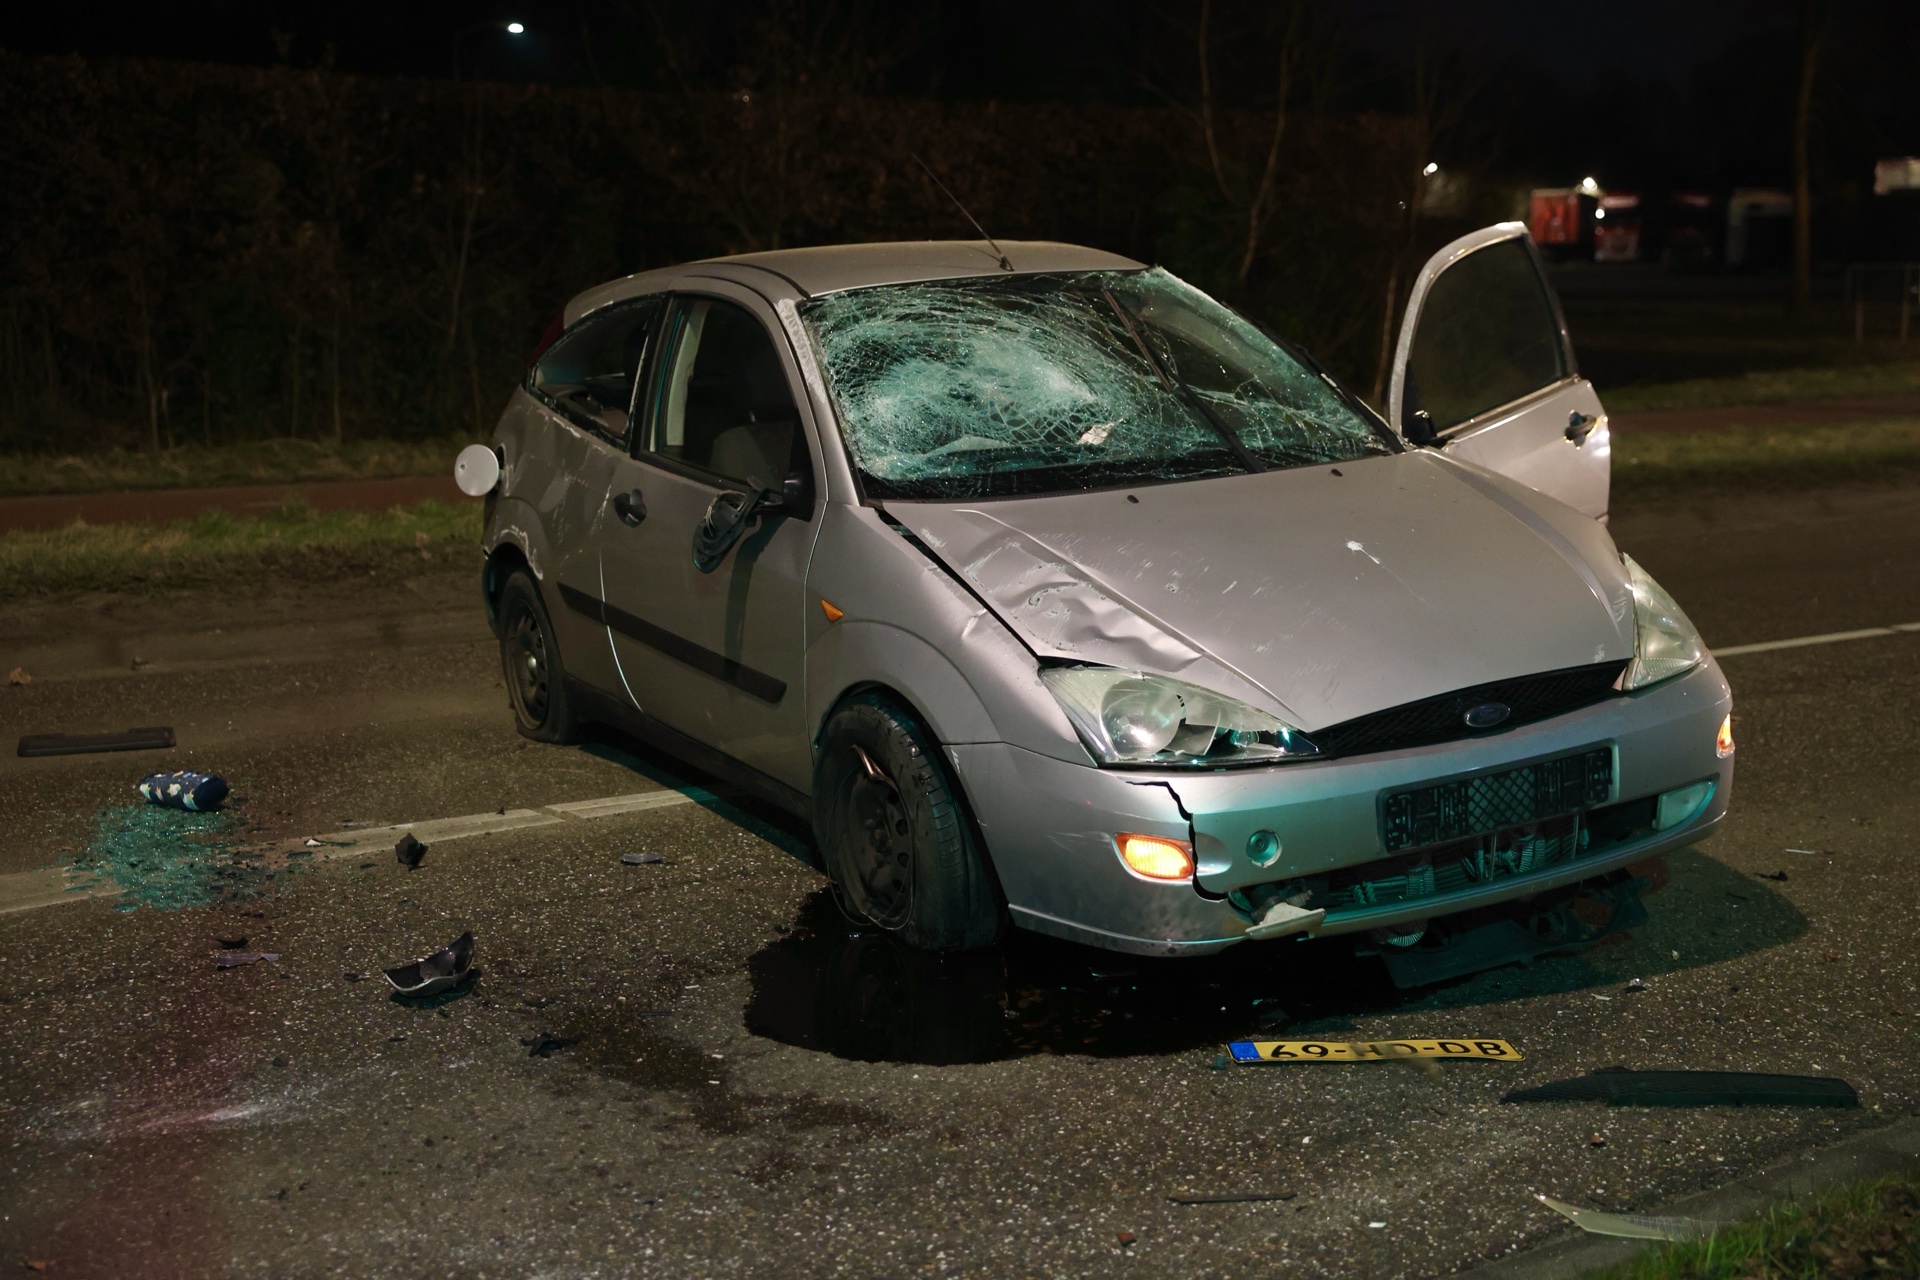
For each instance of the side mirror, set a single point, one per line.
(1419, 428)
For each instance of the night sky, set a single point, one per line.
(1686, 92)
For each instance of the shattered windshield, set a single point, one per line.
(1041, 384)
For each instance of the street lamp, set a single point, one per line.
(511, 28)
(1431, 169)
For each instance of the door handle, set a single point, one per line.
(1580, 426)
(631, 507)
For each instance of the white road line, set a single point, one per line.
(51, 886)
(27, 890)
(1801, 642)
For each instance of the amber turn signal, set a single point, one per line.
(1157, 857)
(1723, 745)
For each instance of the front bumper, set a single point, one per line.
(1049, 825)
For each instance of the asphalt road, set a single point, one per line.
(749, 1086)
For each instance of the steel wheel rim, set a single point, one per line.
(527, 664)
(878, 839)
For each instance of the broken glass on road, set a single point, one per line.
(1038, 384)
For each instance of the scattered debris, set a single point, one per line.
(545, 1045)
(19, 676)
(234, 959)
(33, 1264)
(1376, 1226)
(1126, 1238)
(1220, 1063)
(1596, 1140)
(232, 944)
(1629, 1226)
(350, 976)
(157, 856)
(1258, 1051)
(1818, 853)
(641, 859)
(1693, 1089)
(1245, 1197)
(1638, 984)
(139, 662)
(78, 744)
(1738, 897)
(409, 851)
(184, 789)
(443, 970)
(1779, 876)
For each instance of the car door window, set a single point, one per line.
(589, 373)
(1487, 335)
(723, 403)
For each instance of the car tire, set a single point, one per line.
(530, 662)
(893, 834)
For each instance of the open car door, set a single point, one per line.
(1485, 372)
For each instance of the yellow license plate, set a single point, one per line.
(1251, 1051)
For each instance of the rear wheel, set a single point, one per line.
(530, 660)
(891, 829)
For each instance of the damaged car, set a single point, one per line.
(1056, 594)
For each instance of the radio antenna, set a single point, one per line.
(1005, 265)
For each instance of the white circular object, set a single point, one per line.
(476, 470)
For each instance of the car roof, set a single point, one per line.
(832, 268)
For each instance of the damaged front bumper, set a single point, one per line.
(1345, 843)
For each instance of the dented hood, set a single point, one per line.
(1319, 594)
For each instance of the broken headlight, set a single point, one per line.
(1665, 643)
(1129, 717)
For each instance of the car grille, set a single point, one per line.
(1459, 865)
(1443, 718)
(1494, 801)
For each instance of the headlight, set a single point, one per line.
(1664, 642)
(1127, 717)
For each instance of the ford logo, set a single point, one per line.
(1487, 714)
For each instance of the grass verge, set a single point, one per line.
(299, 544)
(294, 543)
(1774, 386)
(1766, 458)
(1869, 1228)
(249, 462)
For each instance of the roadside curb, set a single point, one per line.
(1867, 1155)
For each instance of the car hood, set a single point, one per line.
(1319, 594)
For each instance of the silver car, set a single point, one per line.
(1055, 593)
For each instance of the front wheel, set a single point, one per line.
(893, 834)
(530, 661)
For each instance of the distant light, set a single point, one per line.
(1589, 186)
(1430, 170)
(1599, 213)
(514, 29)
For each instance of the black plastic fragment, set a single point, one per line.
(545, 1045)
(409, 851)
(1693, 1089)
(442, 970)
(78, 744)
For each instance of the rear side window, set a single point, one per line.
(1487, 336)
(589, 373)
(723, 403)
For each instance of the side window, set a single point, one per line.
(722, 402)
(1487, 335)
(589, 373)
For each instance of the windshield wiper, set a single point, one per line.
(1173, 381)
